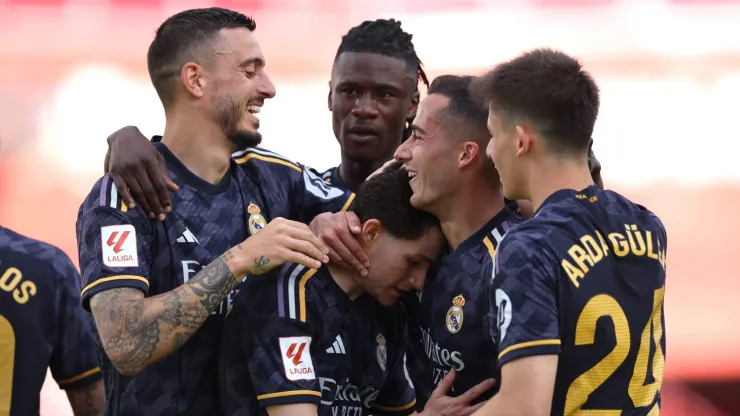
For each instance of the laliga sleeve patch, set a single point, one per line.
(297, 358)
(119, 247)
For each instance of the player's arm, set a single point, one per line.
(524, 300)
(73, 360)
(139, 171)
(302, 409)
(136, 330)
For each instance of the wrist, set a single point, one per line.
(238, 262)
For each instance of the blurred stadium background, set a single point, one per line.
(73, 71)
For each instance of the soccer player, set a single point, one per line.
(328, 338)
(42, 325)
(373, 96)
(155, 288)
(454, 180)
(578, 289)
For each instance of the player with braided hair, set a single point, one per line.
(373, 97)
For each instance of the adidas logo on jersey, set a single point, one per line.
(337, 347)
(187, 237)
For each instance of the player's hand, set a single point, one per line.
(338, 231)
(439, 404)
(382, 168)
(281, 241)
(140, 172)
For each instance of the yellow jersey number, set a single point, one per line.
(642, 394)
(7, 359)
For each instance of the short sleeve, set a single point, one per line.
(314, 196)
(280, 362)
(523, 298)
(114, 245)
(73, 360)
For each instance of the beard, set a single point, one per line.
(229, 113)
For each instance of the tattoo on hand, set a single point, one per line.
(261, 262)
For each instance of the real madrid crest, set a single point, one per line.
(382, 351)
(455, 314)
(256, 220)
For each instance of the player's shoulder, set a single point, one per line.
(263, 159)
(620, 207)
(43, 260)
(104, 196)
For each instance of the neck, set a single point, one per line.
(551, 175)
(346, 279)
(354, 173)
(200, 145)
(467, 210)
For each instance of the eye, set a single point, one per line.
(250, 74)
(412, 263)
(348, 91)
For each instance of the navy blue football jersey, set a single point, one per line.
(448, 324)
(42, 324)
(585, 279)
(123, 248)
(331, 176)
(294, 336)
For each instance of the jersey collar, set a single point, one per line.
(562, 194)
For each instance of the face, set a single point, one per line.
(240, 87)
(503, 149)
(429, 156)
(371, 96)
(398, 266)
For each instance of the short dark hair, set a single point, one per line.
(548, 89)
(177, 41)
(386, 197)
(463, 105)
(383, 37)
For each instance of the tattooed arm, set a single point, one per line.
(87, 400)
(137, 331)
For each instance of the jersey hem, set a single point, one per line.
(289, 397)
(405, 409)
(80, 380)
(112, 282)
(528, 349)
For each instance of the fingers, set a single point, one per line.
(355, 225)
(123, 190)
(146, 196)
(472, 409)
(333, 230)
(445, 385)
(309, 245)
(158, 177)
(475, 391)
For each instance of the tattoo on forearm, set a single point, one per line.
(140, 331)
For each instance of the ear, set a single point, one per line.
(468, 153)
(372, 230)
(193, 79)
(524, 139)
(330, 98)
(414, 106)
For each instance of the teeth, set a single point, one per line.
(254, 109)
(412, 174)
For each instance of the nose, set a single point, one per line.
(266, 88)
(417, 279)
(365, 107)
(403, 152)
(489, 148)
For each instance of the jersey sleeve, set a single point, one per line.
(279, 343)
(114, 243)
(314, 196)
(524, 312)
(397, 395)
(73, 360)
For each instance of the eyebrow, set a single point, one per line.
(416, 128)
(249, 61)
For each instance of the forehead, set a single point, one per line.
(429, 112)
(371, 69)
(239, 44)
(427, 247)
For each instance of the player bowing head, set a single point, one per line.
(373, 94)
(212, 70)
(316, 340)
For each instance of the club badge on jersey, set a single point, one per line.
(119, 246)
(296, 353)
(455, 314)
(382, 352)
(256, 220)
